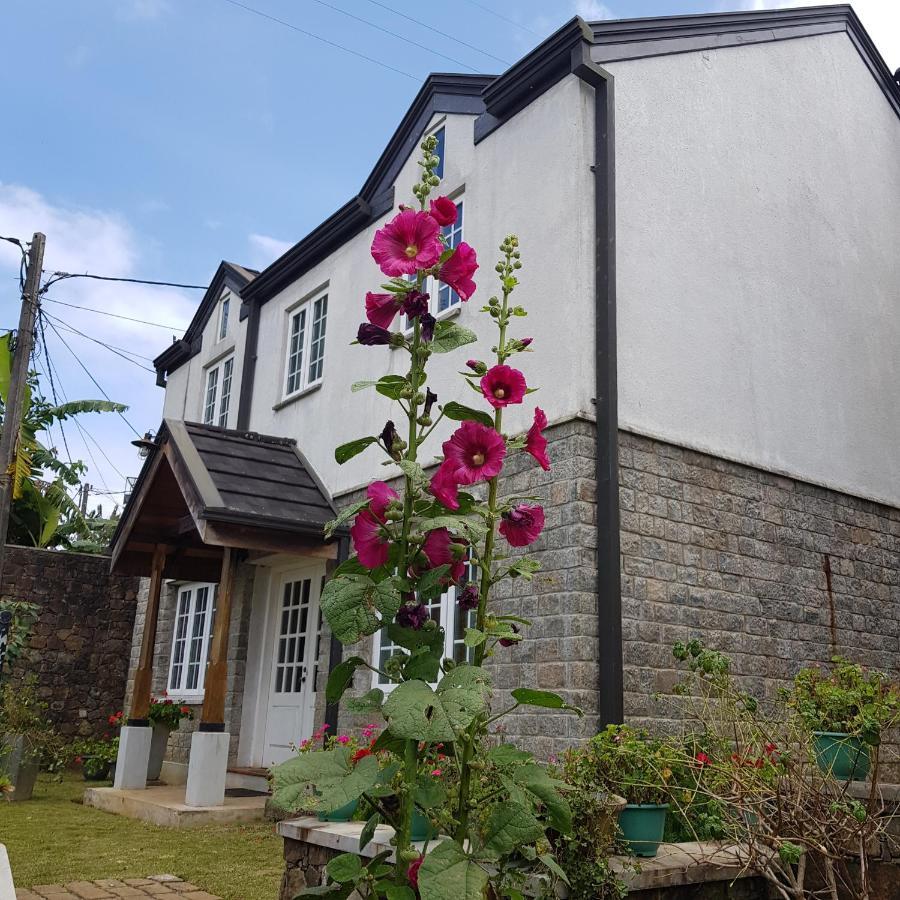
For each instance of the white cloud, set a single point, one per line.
(544, 25)
(265, 249)
(141, 9)
(592, 11)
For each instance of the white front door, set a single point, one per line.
(292, 692)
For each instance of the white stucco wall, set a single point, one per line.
(758, 193)
(529, 177)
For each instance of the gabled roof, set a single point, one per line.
(230, 275)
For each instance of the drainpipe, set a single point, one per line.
(609, 584)
(248, 368)
(336, 650)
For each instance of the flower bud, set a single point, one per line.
(477, 366)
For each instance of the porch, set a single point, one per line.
(211, 503)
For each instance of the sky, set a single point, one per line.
(153, 138)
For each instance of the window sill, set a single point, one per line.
(188, 698)
(298, 396)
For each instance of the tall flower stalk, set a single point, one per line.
(409, 551)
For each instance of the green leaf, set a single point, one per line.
(329, 891)
(535, 780)
(341, 678)
(368, 703)
(459, 413)
(554, 867)
(351, 566)
(422, 664)
(344, 867)
(474, 637)
(331, 772)
(343, 516)
(391, 386)
(431, 580)
(358, 386)
(352, 448)
(430, 792)
(508, 826)
(545, 699)
(448, 874)
(351, 604)
(471, 529)
(399, 892)
(413, 471)
(508, 755)
(412, 638)
(368, 832)
(449, 336)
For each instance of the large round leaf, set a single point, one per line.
(448, 874)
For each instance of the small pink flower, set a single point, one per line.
(371, 545)
(343, 739)
(407, 243)
(381, 309)
(438, 549)
(522, 525)
(459, 269)
(502, 386)
(436, 773)
(474, 453)
(445, 487)
(443, 211)
(412, 873)
(535, 442)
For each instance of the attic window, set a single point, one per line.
(439, 152)
(223, 316)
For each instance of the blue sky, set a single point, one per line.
(171, 134)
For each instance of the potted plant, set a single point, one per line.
(165, 717)
(24, 734)
(626, 762)
(846, 709)
(97, 757)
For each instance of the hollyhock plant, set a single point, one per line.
(408, 243)
(411, 545)
(502, 386)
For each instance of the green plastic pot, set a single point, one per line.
(341, 814)
(842, 755)
(421, 829)
(642, 826)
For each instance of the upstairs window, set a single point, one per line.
(195, 614)
(223, 316)
(439, 152)
(306, 345)
(217, 399)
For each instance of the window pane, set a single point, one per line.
(179, 641)
(295, 352)
(198, 632)
(209, 407)
(453, 234)
(227, 368)
(439, 152)
(317, 344)
(223, 318)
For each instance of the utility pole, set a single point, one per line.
(12, 413)
(84, 491)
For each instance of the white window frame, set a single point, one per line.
(176, 685)
(224, 310)
(447, 621)
(298, 380)
(216, 401)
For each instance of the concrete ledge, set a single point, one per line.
(7, 891)
(165, 806)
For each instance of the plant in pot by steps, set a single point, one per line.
(165, 716)
(96, 756)
(25, 732)
(846, 709)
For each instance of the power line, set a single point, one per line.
(380, 28)
(318, 37)
(117, 350)
(52, 383)
(61, 276)
(503, 18)
(104, 312)
(403, 15)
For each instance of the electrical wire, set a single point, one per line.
(503, 18)
(117, 350)
(384, 30)
(62, 276)
(104, 312)
(403, 15)
(43, 337)
(318, 37)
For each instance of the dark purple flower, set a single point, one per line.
(508, 642)
(430, 400)
(373, 335)
(415, 304)
(388, 437)
(468, 598)
(412, 616)
(428, 322)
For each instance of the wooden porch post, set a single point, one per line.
(143, 676)
(213, 716)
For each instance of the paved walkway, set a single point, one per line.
(156, 886)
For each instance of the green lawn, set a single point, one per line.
(54, 838)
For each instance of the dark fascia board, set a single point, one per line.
(441, 93)
(625, 39)
(227, 275)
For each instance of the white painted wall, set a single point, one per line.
(758, 193)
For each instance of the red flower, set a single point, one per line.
(702, 758)
(371, 545)
(412, 873)
(444, 211)
(445, 487)
(362, 752)
(474, 453)
(502, 386)
(185, 710)
(459, 269)
(522, 525)
(438, 549)
(508, 642)
(412, 616)
(535, 442)
(381, 309)
(407, 243)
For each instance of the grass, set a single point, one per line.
(54, 838)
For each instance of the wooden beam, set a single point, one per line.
(143, 676)
(213, 716)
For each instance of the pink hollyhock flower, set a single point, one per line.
(412, 873)
(522, 525)
(459, 269)
(381, 309)
(474, 453)
(444, 486)
(443, 211)
(371, 546)
(407, 243)
(535, 442)
(438, 548)
(502, 386)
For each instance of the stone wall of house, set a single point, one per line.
(180, 740)
(774, 572)
(79, 645)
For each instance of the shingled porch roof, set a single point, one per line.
(205, 488)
